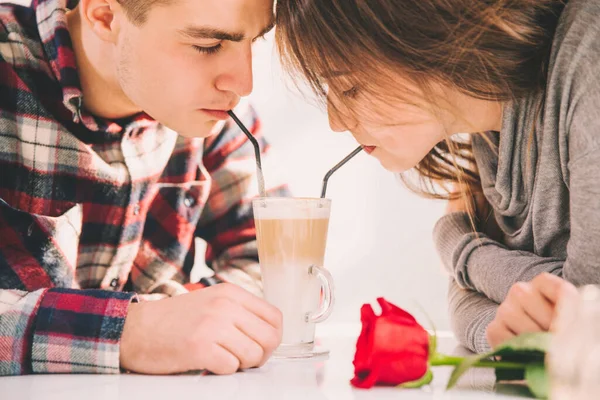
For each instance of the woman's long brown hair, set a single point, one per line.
(489, 49)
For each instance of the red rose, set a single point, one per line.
(392, 348)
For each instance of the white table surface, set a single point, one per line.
(278, 380)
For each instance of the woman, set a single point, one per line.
(521, 78)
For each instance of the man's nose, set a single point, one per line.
(239, 77)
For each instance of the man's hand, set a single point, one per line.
(221, 329)
(529, 307)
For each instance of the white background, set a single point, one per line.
(380, 235)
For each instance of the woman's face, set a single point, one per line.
(401, 132)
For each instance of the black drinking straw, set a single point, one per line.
(338, 166)
(261, 179)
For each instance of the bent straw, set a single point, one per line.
(338, 166)
(259, 172)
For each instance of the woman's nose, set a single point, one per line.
(336, 122)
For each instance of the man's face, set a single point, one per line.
(191, 60)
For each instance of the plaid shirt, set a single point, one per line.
(94, 211)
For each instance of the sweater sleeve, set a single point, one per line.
(475, 261)
(470, 315)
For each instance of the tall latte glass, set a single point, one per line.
(292, 234)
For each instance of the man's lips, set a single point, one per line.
(217, 114)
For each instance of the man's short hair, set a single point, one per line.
(137, 10)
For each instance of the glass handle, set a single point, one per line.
(328, 297)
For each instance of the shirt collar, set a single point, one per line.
(56, 39)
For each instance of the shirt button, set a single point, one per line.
(114, 283)
(189, 201)
(136, 209)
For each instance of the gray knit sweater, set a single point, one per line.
(543, 183)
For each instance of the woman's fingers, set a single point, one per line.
(528, 307)
(498, 333)
(529, 298)
(514, 317)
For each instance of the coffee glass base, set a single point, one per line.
(300, 351)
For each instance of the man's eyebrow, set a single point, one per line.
(206, 32)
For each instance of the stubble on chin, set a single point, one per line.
(210, 128)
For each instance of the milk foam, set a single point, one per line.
(284, 209)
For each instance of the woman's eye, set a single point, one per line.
(208, 50)
(351, 93)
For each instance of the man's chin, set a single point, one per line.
(217, 127)
(202, 130)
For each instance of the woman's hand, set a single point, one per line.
(529, 307)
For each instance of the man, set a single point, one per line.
(114, 157)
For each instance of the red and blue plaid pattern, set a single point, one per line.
(93, 211)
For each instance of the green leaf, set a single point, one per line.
(425, 380)
(527, 348)
(510, 374)
(432, 344)
(527, 343)
(537, 380)
(522, 356)
(463, 367)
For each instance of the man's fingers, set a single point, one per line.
(254, 304)
(247, 351)
(261, 332)
(222, 361)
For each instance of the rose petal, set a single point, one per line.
(366, 313)
(388, 308)
(366, 378)
(391, 337)
(405, 368)
(391, 349)
(410, 338)
(364, 344)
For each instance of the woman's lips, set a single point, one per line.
(369, 149)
